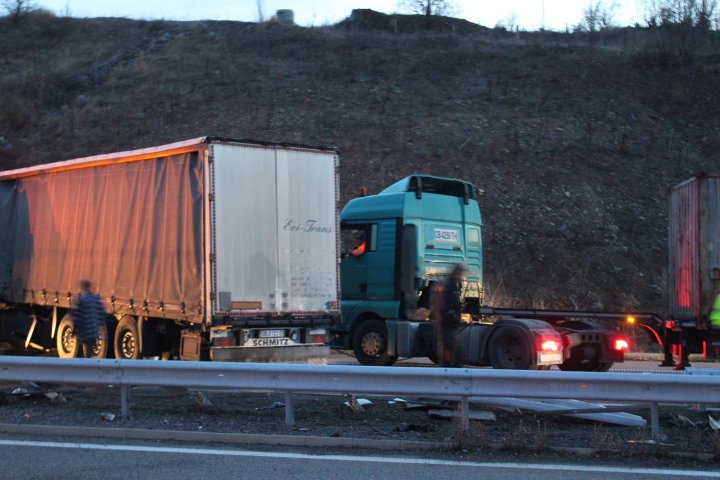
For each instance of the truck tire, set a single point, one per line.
(101, 346)
(65, 338)
(127, 339)
(67, 342)
(509, 349)
(370, 343)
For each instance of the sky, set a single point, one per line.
(528, 14)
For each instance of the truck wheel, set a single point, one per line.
(127, 339)
(101, 346)
(370, 343)
(65, 339)
(509, 349)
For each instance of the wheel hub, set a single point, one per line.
(68, 340)
(128, 345)
(372, 344)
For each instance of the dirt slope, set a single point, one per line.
(573, 148)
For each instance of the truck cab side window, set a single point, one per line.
(357, 240)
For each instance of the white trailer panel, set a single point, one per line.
(274, 229)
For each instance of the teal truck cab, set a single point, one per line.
(395, 245)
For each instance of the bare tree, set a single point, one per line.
(18, 9)
(682, 26)
(260, 14)
(429, 7)
(597, 16)
(692, 13)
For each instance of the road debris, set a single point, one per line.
(356, 404)
(714, 424)
(571, 408)
(683, 420)
(272, 406)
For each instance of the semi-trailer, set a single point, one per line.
(206, 248)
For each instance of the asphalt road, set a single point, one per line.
(62, 460)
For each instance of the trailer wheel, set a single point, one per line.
(127, 339)
(509, 349)
(101, 346)
(65, 338)
(370, 343)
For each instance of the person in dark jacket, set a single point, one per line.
(87, 313)
(447, 306)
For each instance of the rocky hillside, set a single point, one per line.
(573, 145)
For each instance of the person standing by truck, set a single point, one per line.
(87, 313)
(715, 314)
(446, 308)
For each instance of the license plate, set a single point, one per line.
(272, 333)
(269, 342)
(550, 358)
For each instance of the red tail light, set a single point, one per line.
(224, 342)
(621, 344)
(317, 335)
(549, 346)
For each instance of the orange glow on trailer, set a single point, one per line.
(177, 148)
(631, 320)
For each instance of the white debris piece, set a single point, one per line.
(714, 424)
(686, 421)
(511, 404)
(109, 417)
(357, 404)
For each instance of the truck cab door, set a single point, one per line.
(354, 264)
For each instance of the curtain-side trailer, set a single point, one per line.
(209, 247)
(694, 268)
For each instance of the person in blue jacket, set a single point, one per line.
(87, 313)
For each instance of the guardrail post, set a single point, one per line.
(655, 421)
(465, 413)
(289, 412)
(125, 401)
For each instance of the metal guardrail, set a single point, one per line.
(456, 383)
